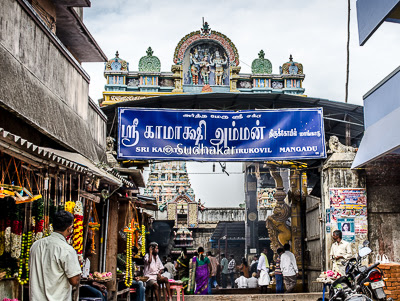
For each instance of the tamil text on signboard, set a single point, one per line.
(220, 135)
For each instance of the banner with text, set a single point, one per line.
(220, 135)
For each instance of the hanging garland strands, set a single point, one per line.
(78, 228)
(24, 259)
(129, 271)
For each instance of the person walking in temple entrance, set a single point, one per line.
(263, 269)
(289, 269)
(201, 270)
(53, 266)
(224, 271)
(231, 270)
(253, 265)
(244, 267)
(182, 267)
(278, 272)
(340, 250)
(214, 268)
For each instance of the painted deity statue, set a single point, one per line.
(219, 64)
(205, 69)
(194, 67)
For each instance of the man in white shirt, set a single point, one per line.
(242, 281)
(263, 270)
(340, 251)
(53, 263)
(253, 281)
(289, 269)
(153, 268)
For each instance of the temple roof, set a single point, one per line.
(292, 67)
(261, 65)
(149, 63)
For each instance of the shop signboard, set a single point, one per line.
(220, 135)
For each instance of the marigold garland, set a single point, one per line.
(129, 273)
(69, 206)
(143, 240)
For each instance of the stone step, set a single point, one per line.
(254, 297)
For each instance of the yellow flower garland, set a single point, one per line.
(143, 240)
(129, 273)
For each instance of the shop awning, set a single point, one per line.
(41, 157)
(381, 138)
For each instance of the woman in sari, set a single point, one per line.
(182, 266)
(200, 272)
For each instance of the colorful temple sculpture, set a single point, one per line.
(167, 181)
(204, 61)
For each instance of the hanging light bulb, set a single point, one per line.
(46, 181)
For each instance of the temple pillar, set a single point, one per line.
(336, 173)
(279, 231)
(297, 197)
(251, 221)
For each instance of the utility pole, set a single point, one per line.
(348, 52)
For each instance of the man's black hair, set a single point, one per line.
(280, 250)
(232, 256)
(62, 220)
(286, 247)
(209, 253)
(338, 233)
(135, 250)
(241, 274)
(222, 255)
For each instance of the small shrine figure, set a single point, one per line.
(205, 69)
(194, 67)
(218, 62)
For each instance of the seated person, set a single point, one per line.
(170, 266)
(92, 289)
(152, 269)
(166, 274)
(136, 283)
(242, 282)
(253, 281)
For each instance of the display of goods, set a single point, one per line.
(24, 259)
(129, 272)
(101, 276)
(328, 276)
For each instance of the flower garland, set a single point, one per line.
(24, 259)
(143, 240)
(2, 236)
(16, 236)
(77, 241)
(129, 273)
(69, 206)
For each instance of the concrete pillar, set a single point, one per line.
(251, 221)
(336, 173)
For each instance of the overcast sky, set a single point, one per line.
(313, 31)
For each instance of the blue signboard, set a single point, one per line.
(220, 135)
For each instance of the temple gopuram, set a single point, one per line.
(204, 61)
